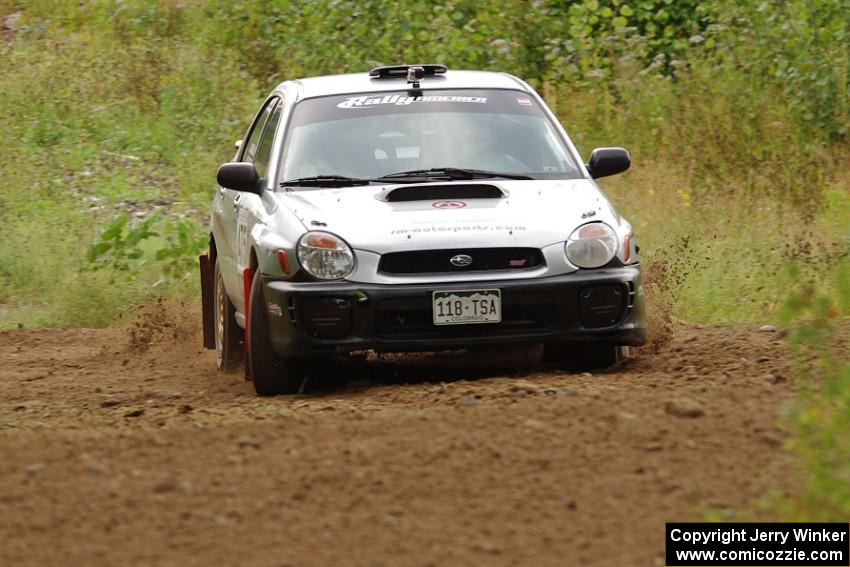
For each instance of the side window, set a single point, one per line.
(253, 140)
(264, 150)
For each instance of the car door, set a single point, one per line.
(226, 215)
(248, 206)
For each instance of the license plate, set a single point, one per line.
(465, 307)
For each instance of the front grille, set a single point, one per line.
(529, 312)
(439, 261)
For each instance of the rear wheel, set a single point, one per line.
(272, 374)
(585, 356)
(229, 337)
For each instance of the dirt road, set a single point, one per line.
(126, 447)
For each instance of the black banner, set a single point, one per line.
(757, 544)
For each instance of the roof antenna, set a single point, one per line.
(414, 75)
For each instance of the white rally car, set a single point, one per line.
(413, 208)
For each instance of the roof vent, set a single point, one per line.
(413, 73)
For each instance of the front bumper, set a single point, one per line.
(320, 318)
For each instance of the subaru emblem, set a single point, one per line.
(461, 260)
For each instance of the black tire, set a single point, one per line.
(582, 357)
(272, 374)
(229, 336)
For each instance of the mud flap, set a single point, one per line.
(207, 307)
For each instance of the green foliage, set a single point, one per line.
(821, 416)
(801, 47)
(589, 40)
(119, 246)
(120, 251)
(185, 240)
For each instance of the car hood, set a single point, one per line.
(529, 214)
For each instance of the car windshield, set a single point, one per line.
(373, 135)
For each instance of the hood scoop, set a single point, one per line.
(439, 192)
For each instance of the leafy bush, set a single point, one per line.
(119, 248)
(800, 47)
(185, 240)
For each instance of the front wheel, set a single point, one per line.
(585, 356)
(272, 374)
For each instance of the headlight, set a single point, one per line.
(325, 256)
(592, 245)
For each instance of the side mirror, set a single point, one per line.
(239, 176)
(608, 161)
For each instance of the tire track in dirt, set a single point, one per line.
(124, 445)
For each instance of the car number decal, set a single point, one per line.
(241, 240)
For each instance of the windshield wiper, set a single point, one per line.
(412, 176)
(453, 173)
(326, 181)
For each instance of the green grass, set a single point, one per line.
(100, 128)
(820, 414)
(115, 108)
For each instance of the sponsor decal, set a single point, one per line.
(403, 100)
(462, 228)
(523, 100)
(449, 205)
